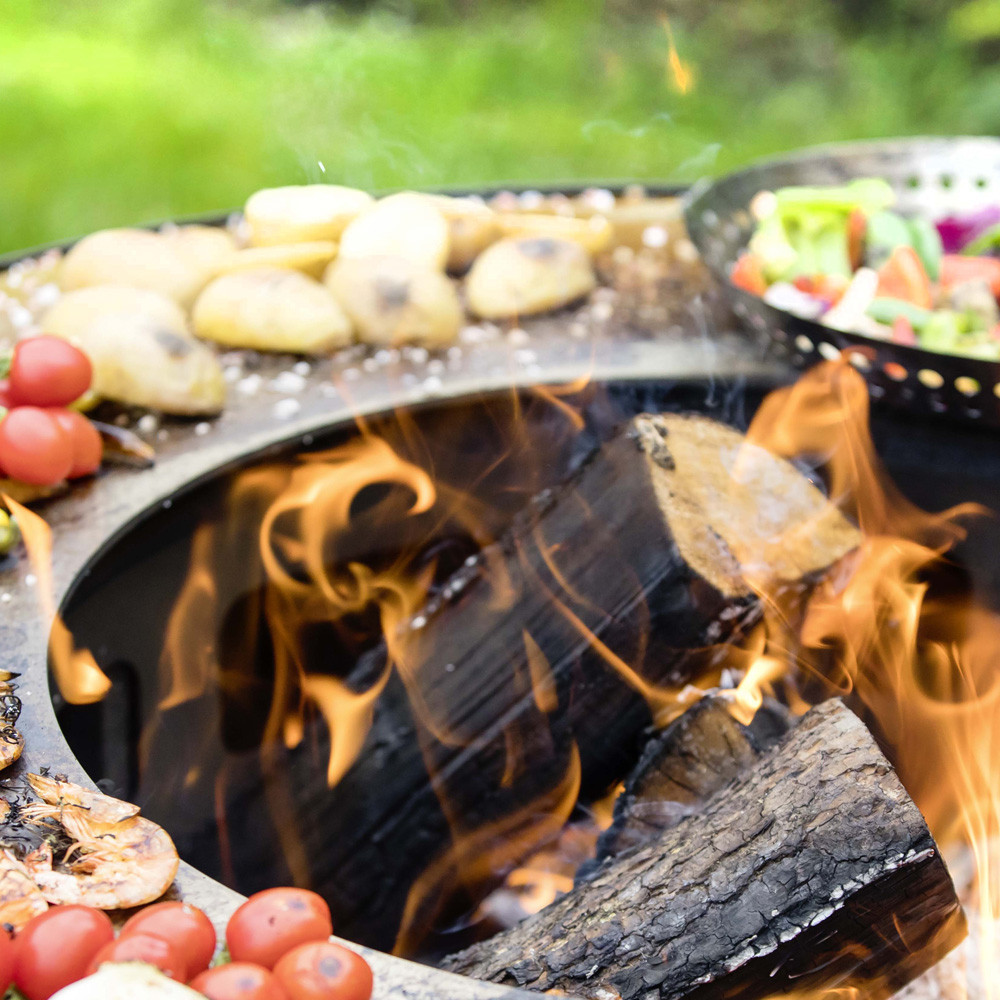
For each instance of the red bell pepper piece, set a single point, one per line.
(903, 333)
(903, 276)
(956, 269)
(748, 274)
(829, 287)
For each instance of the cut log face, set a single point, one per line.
(815, 871)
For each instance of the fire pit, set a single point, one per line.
(123, 568)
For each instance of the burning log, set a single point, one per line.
(816, 870)
(683, 766)
(512, 701)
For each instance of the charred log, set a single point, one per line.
(643, 556)
(816, 870)
(683, 766)
(539, 668)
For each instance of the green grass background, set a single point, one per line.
(115, 112)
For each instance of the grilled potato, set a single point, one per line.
(402, 225)
(520, 277)
(472, 227)
(310, 258)
(396, 300)
(302, 213)
(594, 234)
(141, 361)
(134, 257)
(271, 309)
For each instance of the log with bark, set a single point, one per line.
(539, 666)
(683, 766)
(815, 870)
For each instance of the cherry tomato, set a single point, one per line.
(239, 981)
(87, 446)
(55, 948)
(165, 955)
(184, 926)
(322, 970)
(274, 921)
(6, 962)
(6, 400)
(34, 448)
(48, 371)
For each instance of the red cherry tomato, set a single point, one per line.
(184, 926)
(239, 981)
(55, 948)
(87, 446)
(322, 970)
(48, 371)
(34, 448)
(6, 962)
(6, 400)
(165, 955)
(274, 921)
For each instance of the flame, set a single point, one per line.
(921, 668)
(81, 681)
(681, 75)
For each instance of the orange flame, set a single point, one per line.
(921, 668)
(81, 681)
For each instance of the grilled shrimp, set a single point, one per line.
(100, 807)
(20, 897)
(11, 740)
(117, 859)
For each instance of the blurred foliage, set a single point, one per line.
(120, 111)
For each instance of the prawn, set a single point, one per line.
(56, 791)
(20, 897)
(11, 740)
(117, 858)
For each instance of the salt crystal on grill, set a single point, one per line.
(285, 409)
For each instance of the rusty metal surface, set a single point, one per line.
(93, 515)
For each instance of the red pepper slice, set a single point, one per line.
(748, 274)
(903, 276)
(956, 269)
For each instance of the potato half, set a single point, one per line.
(520, 277)
(75, 311)
(395, 300)
(402, 225)
(135, 257)
(139, 361)
(271, 309)
(302, 213)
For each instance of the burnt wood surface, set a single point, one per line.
(815, 871)
(682, 766)
(629, 554)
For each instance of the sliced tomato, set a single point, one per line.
(748, 274)
(956, 269)
(903, 276)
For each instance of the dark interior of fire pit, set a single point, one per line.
(253, 819)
